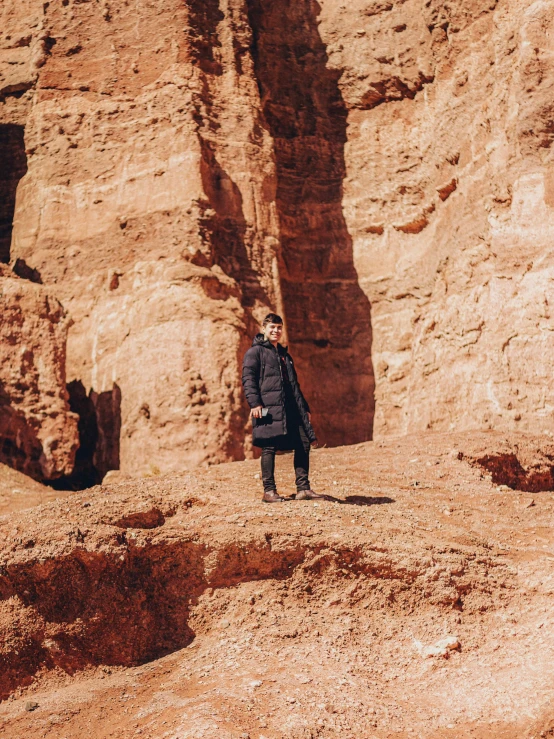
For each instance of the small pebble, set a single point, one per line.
(449, 642)
(440, 648)
(31, 705)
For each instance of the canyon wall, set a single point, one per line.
(143, 208)
(449, 199)
(379, 172)
(155, 202)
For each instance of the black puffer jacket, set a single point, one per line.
(263, 385)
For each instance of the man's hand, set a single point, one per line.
(256, 412)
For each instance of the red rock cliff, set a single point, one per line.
(190, 165)
(448, 197)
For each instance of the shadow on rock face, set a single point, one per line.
(328, 315)
(13, 165)
(23, 270)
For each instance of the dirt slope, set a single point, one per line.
(182, 607)
(18, 492)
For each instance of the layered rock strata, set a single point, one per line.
(140, 219)
(38, 433)
(192, 165)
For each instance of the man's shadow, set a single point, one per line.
(361, 500)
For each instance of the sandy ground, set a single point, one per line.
(18, 492)
(184, 607)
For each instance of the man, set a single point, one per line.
(281, 418)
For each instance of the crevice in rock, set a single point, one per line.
(15, 91)
(393, 90)
(99, 436)
(23, 270)
(327, 313)
(13, 165)
(19, 445)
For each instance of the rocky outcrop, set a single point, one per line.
(154, 233)
(378, 172)
(38, 433)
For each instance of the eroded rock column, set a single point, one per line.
(38, 433)
(148, 209)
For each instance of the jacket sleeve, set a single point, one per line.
(251, 377)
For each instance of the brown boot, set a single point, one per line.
(307, 495)
(272, 497)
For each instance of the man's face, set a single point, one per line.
(273, 332)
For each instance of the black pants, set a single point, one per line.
(301, 462)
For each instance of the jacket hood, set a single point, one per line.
(260, 340)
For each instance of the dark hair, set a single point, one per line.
(272, 318)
